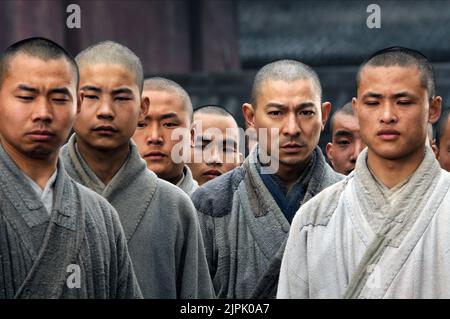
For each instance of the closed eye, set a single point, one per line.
(25, 98)
(274, 113)
(307, 113)
(91, 97)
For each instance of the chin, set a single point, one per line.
(292, 161)
(40, 152)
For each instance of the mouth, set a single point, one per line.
(154, 156)
(41, 135)
(105, 130)
(292, 147)
(212, 173)
(388, 135)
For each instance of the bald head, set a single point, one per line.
(37, 47)
(345, 110)
(284, 70)
(159, 84)
(403, 57)
(109, 52)
(214, 110)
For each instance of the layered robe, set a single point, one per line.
(359, 239)
(78, 250)
(244, 229)
(160, 223)
(187, 183)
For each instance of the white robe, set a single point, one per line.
(403, 238)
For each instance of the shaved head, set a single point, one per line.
(284, 70)
(166, 85)
(213, 109)
(40, 48)
(345, 110)
(404, 57)
(109, 52)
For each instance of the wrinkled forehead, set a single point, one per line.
(109, 76)
(213, 125)
(390, 79)
(289, 91)
(41, 74)
(347, 122)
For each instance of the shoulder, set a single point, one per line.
(319, 209)
(330, 176)
(93, 202)
(216, 196)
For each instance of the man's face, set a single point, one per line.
(110, 108)
(393, 111)
(443, 155)
(38, 104)
(153, 135)
(216, 146)
(346, 143)
(293, 108)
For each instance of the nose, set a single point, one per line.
(154, 134)
(292, 128)
(42, 111)
(214, 156)
(389, 115)
(358, 146)
(105, 111)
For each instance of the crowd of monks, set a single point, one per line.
(113, 186)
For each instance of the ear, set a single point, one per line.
(249, 114)
(326, 108)
(145, 104)
(435, 148)
(80, 98)
(329, 151)
(241, 158)
(435, 109)
(192, 137)
(354, 106)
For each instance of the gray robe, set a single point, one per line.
(160, 224)
(358, 239)
(244, 229)
(40, 254)
(188, 184)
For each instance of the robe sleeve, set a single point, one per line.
(127, 285)
(293, 281)
(194, 280)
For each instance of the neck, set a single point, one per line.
(392, 172)
(176, 179)
(38, 169)
(289, 174)
(105, 164)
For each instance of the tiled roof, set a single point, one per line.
(335, 32)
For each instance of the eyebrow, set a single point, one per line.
(163, 117)
(91, 88)
(24, 87)
(372, 94)
(343, 133)
(62, 90)
(301, 105)
(229, 141)
(403, 94)
(122, 91)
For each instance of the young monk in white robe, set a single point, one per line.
(383, 232)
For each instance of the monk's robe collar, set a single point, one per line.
(290, 200)
(399, 207)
